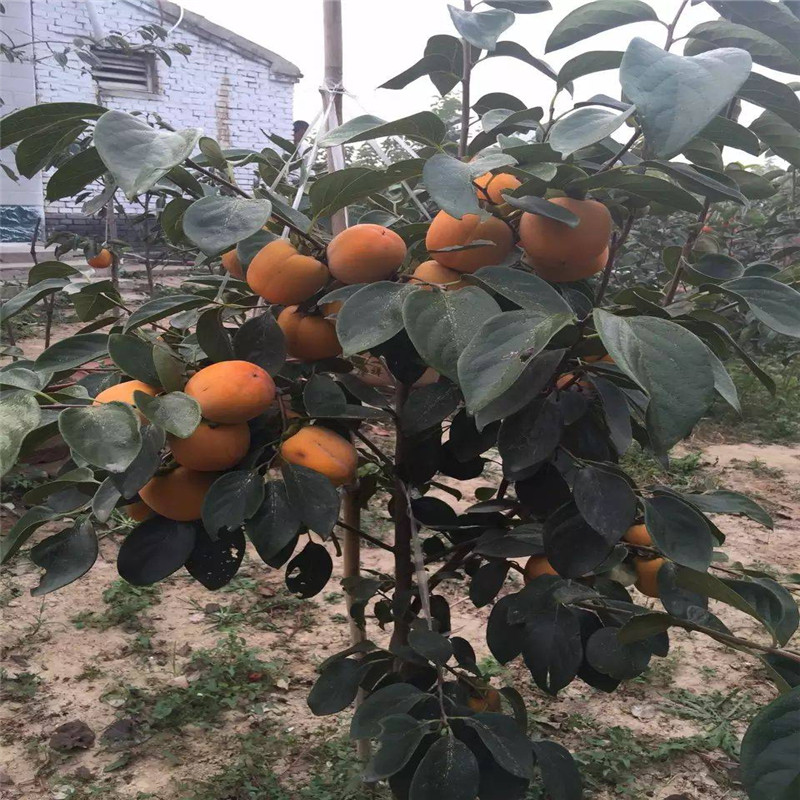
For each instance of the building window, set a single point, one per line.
(124, 71)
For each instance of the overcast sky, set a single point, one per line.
(384, 37)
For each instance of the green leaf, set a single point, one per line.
(481, 29)
(525, 289)
(72, 352)
(442, 323)
(137, 155)
(347, 186)
(713, 268)
(521, 6)
(774, 20)
(669, 363)
(544, 208)
(30, 295)
(75, 174)
(275, 524)
(449, 183)
(509, 745)
(336, 687)
(433, 64)
(45, 270)
(37, 152)
(584, 127)
(213, 152)
(447, 771)
(724, 501)
(698, 182)
(423, 127)
(216, 222)
(753, 185)
(658, 82)
(400, 735)
(312, 497)
(19, 415)
(727, 133)
(587, 64)
(176, 412)
(763, 49)
(396, 698)
(428, 406)
(232, 499)
(781, 137)
(171, 370)
(106, 435)
(775, 304)
(134, 356)
(371, 316)
(82, 476)
(23, 529)
(431, 645)
(644, 186)
(65, 557)
(679, 531)
(594, 18)
(261, 341)
(500, 351)
(773, 96)
(23, 123)
(724, 385)
(768, 758)
(514, 50)
(161, 307)
(212, 336)
(703, 153)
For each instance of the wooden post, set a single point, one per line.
(332, 92)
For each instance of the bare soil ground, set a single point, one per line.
(74, 655)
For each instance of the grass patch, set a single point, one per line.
(125, 604)
(20, 688)
(328, 770)
(230, 675)
(684, 472)
(768, 419)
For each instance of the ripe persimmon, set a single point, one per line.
(447, 231)
(323, 451)
(231, 391)
(536, 566)
(492, 186)
(123, 392)
(230, 261)
(309, 337)
(365, 253)
(138, 511)
(549, 242)
(103, 260)
(280, 274)
(212, 447)
(487, 699)
(178, 494)
(638, 534)
(566, 271)
(433, 272)
(647, 575)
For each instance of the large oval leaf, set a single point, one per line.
(449, 183)
(233, 498)
(769, 764)
(659, 82)
(775, 304)
(371, 316)
(65, 557)
(441, 324)
(669, 363)
(154, 550)
(583, 127)
(106, 435)
(72, 352)
(137, 155)
(19, 415)
(176, 412)
(215, 223)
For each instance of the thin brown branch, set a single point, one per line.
(466, 76)
(686, 251)
(365, 536)
(616, 244)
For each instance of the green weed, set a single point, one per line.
(124, 603)
(683, 472)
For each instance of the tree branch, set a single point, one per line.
(686, 251)
(616, 244)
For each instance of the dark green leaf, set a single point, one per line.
(448, 771)
(424, 127)
(215, 562)
(727, 133)
(275, 523)
(19, 415)
(27, 121)
(560, 774)
(336, 687)
(75, 174)
(313, 498)
(38, 151)
(529, 437)
(679, 531)
(775, 20)
(176, 412)
(23, 529)
(396, 698)
(509, 746)
(428, 406)
(400, 734)
(260, 341)
(724, 501)
(65, 556)
(773, 96)
(584, 127)
(449, 183)
(233, 498)
(212, 336)
(154, 550)
(781, 137)
(588, 63)
(593, 18)
(161, 307)
(769, 765)
(309, 571)
(544, 208)
(134, 356)
(551, 647)
(606, 501)
(669, 363)
(775, 304)
(607, 654)
(431, 645)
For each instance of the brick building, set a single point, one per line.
(230, 87)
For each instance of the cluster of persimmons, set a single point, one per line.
(231, 393)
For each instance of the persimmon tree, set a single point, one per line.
(495, 345)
